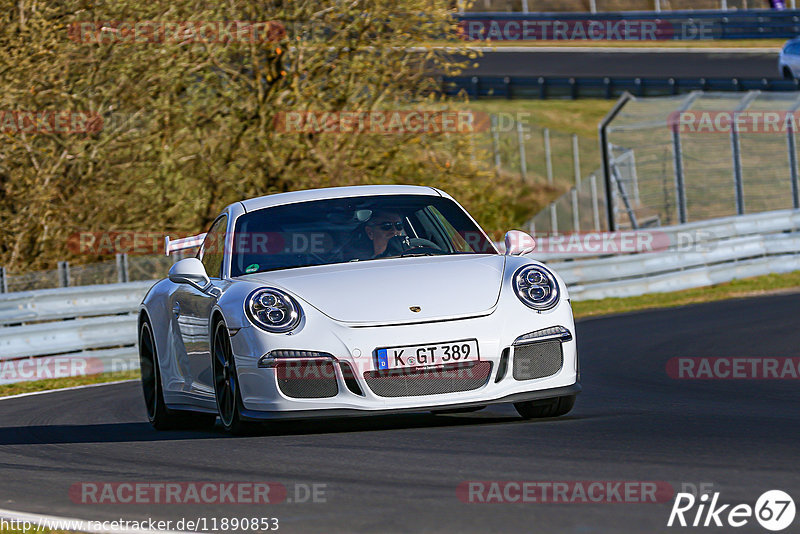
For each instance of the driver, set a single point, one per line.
(382, 226)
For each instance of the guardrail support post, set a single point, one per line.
(3, 280)
(553, 220)
(495, 144)
(523, 166)
(63, 274)
(548, 159)
(122, 268)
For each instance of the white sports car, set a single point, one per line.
(353, 301)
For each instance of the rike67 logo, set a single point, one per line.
(774, 510)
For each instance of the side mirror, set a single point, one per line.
(518, 243)
(190, 271)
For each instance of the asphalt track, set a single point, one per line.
(400, 473)
(621, 63)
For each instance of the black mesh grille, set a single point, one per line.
(537, 360)
(307, 379)
(450, 378)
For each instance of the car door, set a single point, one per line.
(192, 310)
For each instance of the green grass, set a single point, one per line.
(745, 287)
(57, 383)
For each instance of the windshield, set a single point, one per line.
(330, 231)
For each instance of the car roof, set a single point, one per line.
(791, 41)
(336, 192)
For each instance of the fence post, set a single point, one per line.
(548, 159)
(524, 6)
(736, 151)
(677, 165)
(3, 280)
(593, 6)
(606, 157)
(576, 161)
(122, 268)
(576, 222)
(792, 161)
(495, 144)
(658, 6)
(595, 206)
(63, 274)
(737, 167)
(553, 219)
(523, 167)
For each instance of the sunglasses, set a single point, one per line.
(387, 226)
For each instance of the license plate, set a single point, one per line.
(408, 356)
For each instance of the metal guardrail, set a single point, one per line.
(543, 87)
(698, 234)
(92, 329)
(56, 333)
(71, 302)
(638, 25)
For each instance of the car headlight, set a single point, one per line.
(536, 287)
(273, 310)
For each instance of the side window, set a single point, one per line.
(213, 250)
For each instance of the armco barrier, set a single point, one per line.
(96, 325)
(608, 87)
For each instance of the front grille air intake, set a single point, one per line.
(307, 379)
(450, 378)
(537, 360)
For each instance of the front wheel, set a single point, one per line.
(161, 417)
(553, 407)
(226, 383)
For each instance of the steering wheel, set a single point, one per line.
(400, 245)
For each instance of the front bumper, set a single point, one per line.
(496, 332)
(255, 415)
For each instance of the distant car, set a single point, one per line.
(789, 59)
(353, 301)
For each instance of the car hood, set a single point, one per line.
(384, 291)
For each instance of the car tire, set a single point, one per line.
(787, 74)
(553, 407)
(226, 382)
(159, 416)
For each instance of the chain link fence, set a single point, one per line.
(687, 158)
(123, 269)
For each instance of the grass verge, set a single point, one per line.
(7, 390)
(745, 287)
